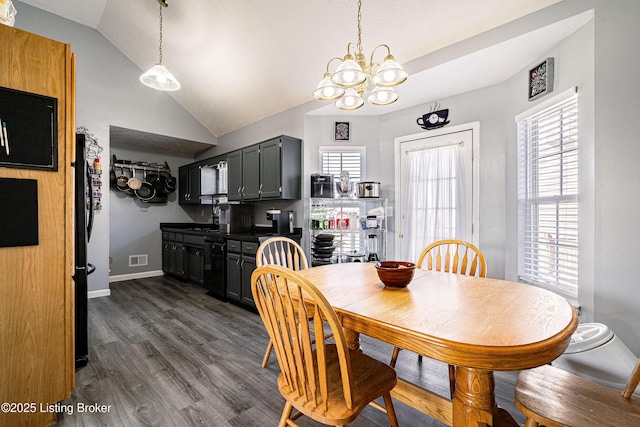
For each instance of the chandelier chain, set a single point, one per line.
(160, 33)
(359, 26)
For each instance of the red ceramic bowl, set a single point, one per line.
(395, 274)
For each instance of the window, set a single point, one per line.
(548, 197)
(334, 160)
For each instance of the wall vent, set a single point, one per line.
(138, 260)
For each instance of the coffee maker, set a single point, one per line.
(281, 221)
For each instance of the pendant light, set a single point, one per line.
(158, 77)
(349, 82)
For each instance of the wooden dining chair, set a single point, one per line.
(449, 256)
(552, 397)
(286, 253)
(327, 382)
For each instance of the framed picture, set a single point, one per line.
(29, 130)
(541, 79)
(342, 131)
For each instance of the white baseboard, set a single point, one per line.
(141, 275)
(100, 293)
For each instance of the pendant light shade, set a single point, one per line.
(351, 100)
(390, 73)
(328, 90)
(349, 73)
(158, 77)
(382, 96)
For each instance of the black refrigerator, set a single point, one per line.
(83, 211)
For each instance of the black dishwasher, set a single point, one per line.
(215, 266)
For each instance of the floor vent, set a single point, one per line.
(138, 260)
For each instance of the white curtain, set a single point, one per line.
(434, 200)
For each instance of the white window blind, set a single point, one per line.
(548, 197)
(334, 160)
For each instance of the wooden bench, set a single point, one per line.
(552, 397)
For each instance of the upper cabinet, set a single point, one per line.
(266, 171)
(281, 168)
(234, 164)
(189, 184)
(251, 173)
(199, 183)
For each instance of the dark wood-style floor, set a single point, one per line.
(164, 353)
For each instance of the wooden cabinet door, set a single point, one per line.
(251, 173)
(270, 170)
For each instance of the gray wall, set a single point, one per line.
(108, 92)
(133, 228)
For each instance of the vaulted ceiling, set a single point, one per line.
(241, 61)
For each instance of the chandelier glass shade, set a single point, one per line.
(353, 76)
(158, 77)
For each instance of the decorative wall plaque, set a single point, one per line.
(541, 79)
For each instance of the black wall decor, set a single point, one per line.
(18, 212)
(28, 130)
(541, 79)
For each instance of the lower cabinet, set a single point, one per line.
(174, 255)
(195, 256)
(241, 262)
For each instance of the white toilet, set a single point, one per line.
(597, 354)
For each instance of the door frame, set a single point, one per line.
(474, 127)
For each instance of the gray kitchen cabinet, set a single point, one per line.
(280, 168)
(189, 184)
(234, 177)
(194, 245)
(234, 271)
(249, 250)
(251, 173)
(174, 255)
(269, 170)
(196, 264)
(241, 262)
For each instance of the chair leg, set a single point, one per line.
(452, 380)
(286, 414)
(267, 353)
(419, 358)
(391, 412)
(394, 356)
(530, 423)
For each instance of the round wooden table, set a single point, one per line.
(480, 325)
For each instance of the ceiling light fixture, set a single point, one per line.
(350, 80)
(159, 77)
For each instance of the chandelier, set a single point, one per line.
(351, 79)
(158, 77)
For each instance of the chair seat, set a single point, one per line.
(371, 379)
(566, 399)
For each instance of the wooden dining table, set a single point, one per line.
(480, 325)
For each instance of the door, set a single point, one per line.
(437, 189)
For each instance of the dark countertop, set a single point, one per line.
(258, 234)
